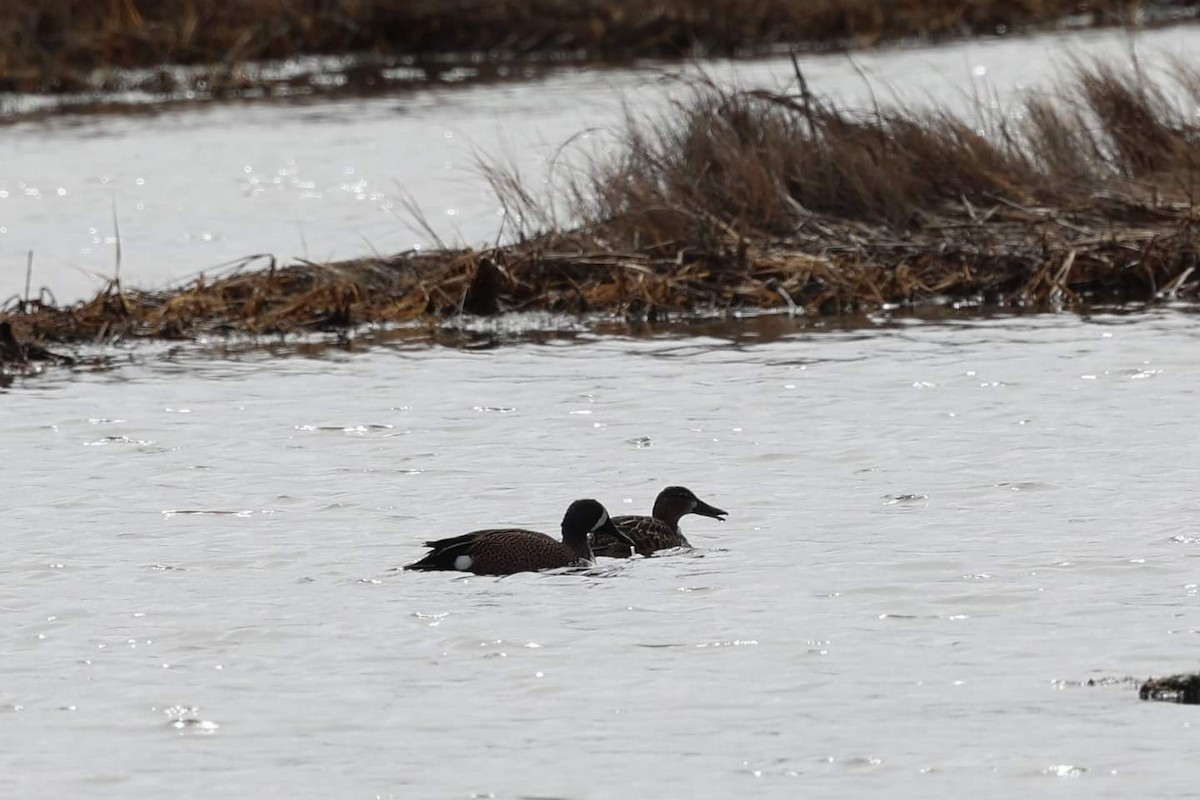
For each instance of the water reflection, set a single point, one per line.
(688, 336)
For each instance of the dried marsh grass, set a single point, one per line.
(1102, 177)
(762, 163)
(772, 200)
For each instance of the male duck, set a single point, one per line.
(658, 532)
(504, 551)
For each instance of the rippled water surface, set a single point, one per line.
(938, 533)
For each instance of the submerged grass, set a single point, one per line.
(56, 45)
(753, 199)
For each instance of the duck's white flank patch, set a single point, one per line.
(600, 522)
(463, 563)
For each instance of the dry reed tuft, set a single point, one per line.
(763, 162)
(773, 201)
(1103, 179)
(55, 45)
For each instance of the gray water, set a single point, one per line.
(938, 533)
(193, 188)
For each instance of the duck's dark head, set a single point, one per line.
(584, 519)
(676, 501)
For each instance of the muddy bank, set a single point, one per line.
(74, 46)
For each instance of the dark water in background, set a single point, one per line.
(937, 532)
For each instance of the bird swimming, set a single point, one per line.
(505, 551)
(16, 352)
(659, 531)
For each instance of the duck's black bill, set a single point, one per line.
(705, 510)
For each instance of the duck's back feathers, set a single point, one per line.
(660, 531)
(503, 551)
(648, 534)
(497, 551)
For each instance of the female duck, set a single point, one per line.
(658, 532)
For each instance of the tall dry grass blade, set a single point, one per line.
(117, 252)
(28, 280)
(417, 215)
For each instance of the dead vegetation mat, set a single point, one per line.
(1005, 256)
(756, 200)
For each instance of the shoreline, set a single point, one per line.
(755, 200)
(1046, 261)
(182, 49)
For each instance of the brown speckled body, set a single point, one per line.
(648, 534)
(658, 532)
(504, 551)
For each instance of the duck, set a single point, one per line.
(14, 351)
(660, 531)
(11, 350)
(506, 551)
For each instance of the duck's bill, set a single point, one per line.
(612, 530)
(705, 510)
